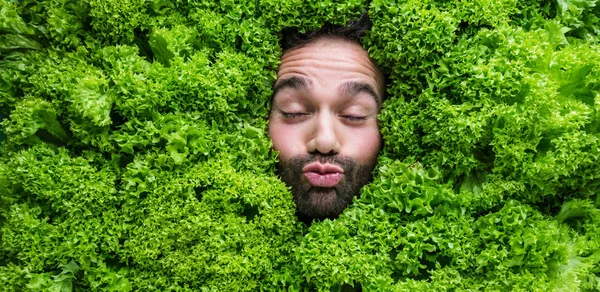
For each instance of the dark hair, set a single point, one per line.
(354, 31)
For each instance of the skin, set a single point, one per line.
(326, 100)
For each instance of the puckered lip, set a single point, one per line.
(322, 168)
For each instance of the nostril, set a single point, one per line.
(318, 153)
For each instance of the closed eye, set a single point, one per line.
(292, 115)
(354, 118)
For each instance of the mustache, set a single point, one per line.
(298, 162)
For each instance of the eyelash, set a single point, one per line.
(292, 115)
(354, 119)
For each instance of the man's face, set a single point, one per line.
(323, 122)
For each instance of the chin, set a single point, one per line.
(322, 203)
(323, 199)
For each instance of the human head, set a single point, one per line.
(323, 118)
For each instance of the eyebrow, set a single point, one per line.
(297, 83)
(352, 88)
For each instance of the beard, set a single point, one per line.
(323, 202)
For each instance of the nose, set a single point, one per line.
(324, 138)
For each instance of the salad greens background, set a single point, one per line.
(136, 157)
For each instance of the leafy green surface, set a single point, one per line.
(135, 154)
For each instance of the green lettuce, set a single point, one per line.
(136, 156)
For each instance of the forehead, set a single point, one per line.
(333, 60)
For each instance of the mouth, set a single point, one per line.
(323, 175)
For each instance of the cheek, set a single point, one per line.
(366, 148)
(286, 140)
